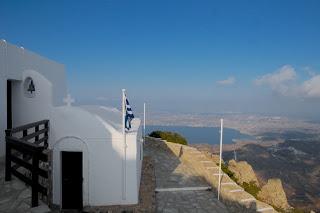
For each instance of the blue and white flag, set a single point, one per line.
(129, 115)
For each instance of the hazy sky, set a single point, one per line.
(180, 56)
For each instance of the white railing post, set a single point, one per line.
(144, 121)
(220, 160)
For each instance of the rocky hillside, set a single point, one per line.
(272, 192)
(243, 172)
(295, 162)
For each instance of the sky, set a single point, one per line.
(179, 56)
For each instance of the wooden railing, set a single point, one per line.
(25, 147)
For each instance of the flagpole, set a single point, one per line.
(221, 133)
(144, 121)
(124, 145)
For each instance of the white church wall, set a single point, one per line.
(74, 121)
(3, 115)
(27, 109)
(139, 141)
(14, 62)
(136, 151)
(132, 168)
(105, 157)
(105, 154)
(3, 97)
(106, 173)
(70, 123)
(17, 60)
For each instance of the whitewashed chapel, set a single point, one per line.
(89, 164)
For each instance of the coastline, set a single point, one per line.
(203, 135)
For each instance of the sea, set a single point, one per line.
(203, 135)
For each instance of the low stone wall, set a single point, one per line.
(231, 194)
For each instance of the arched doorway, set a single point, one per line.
(70, 173)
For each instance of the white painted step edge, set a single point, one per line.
(192, 151)
(206, 161)
(212, 167)
(201, 188)
(228, 183)
(265, 209)
(217, 174)
(248, 199)
(236, 190)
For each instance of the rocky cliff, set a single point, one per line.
(243, 172)
(274, 194)
(271, 193)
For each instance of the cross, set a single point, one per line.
(68, 100)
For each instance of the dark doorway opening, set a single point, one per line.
(9, 104)
(71, 163)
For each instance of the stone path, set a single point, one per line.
(188, 201)
(15, 196)
(170, 172)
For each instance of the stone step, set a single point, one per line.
(212, 167)
(217, 174)
(191, 152)
(206, 161)
(265, 209)
(228, 183)
(189, 148)
(248, 200)
(236, 190)
(200, 188)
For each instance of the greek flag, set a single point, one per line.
(129, 115)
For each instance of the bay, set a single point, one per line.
(203, 135)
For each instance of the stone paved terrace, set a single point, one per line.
(172, 175)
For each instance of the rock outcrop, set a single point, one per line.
(274, 194)
(243, 172)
